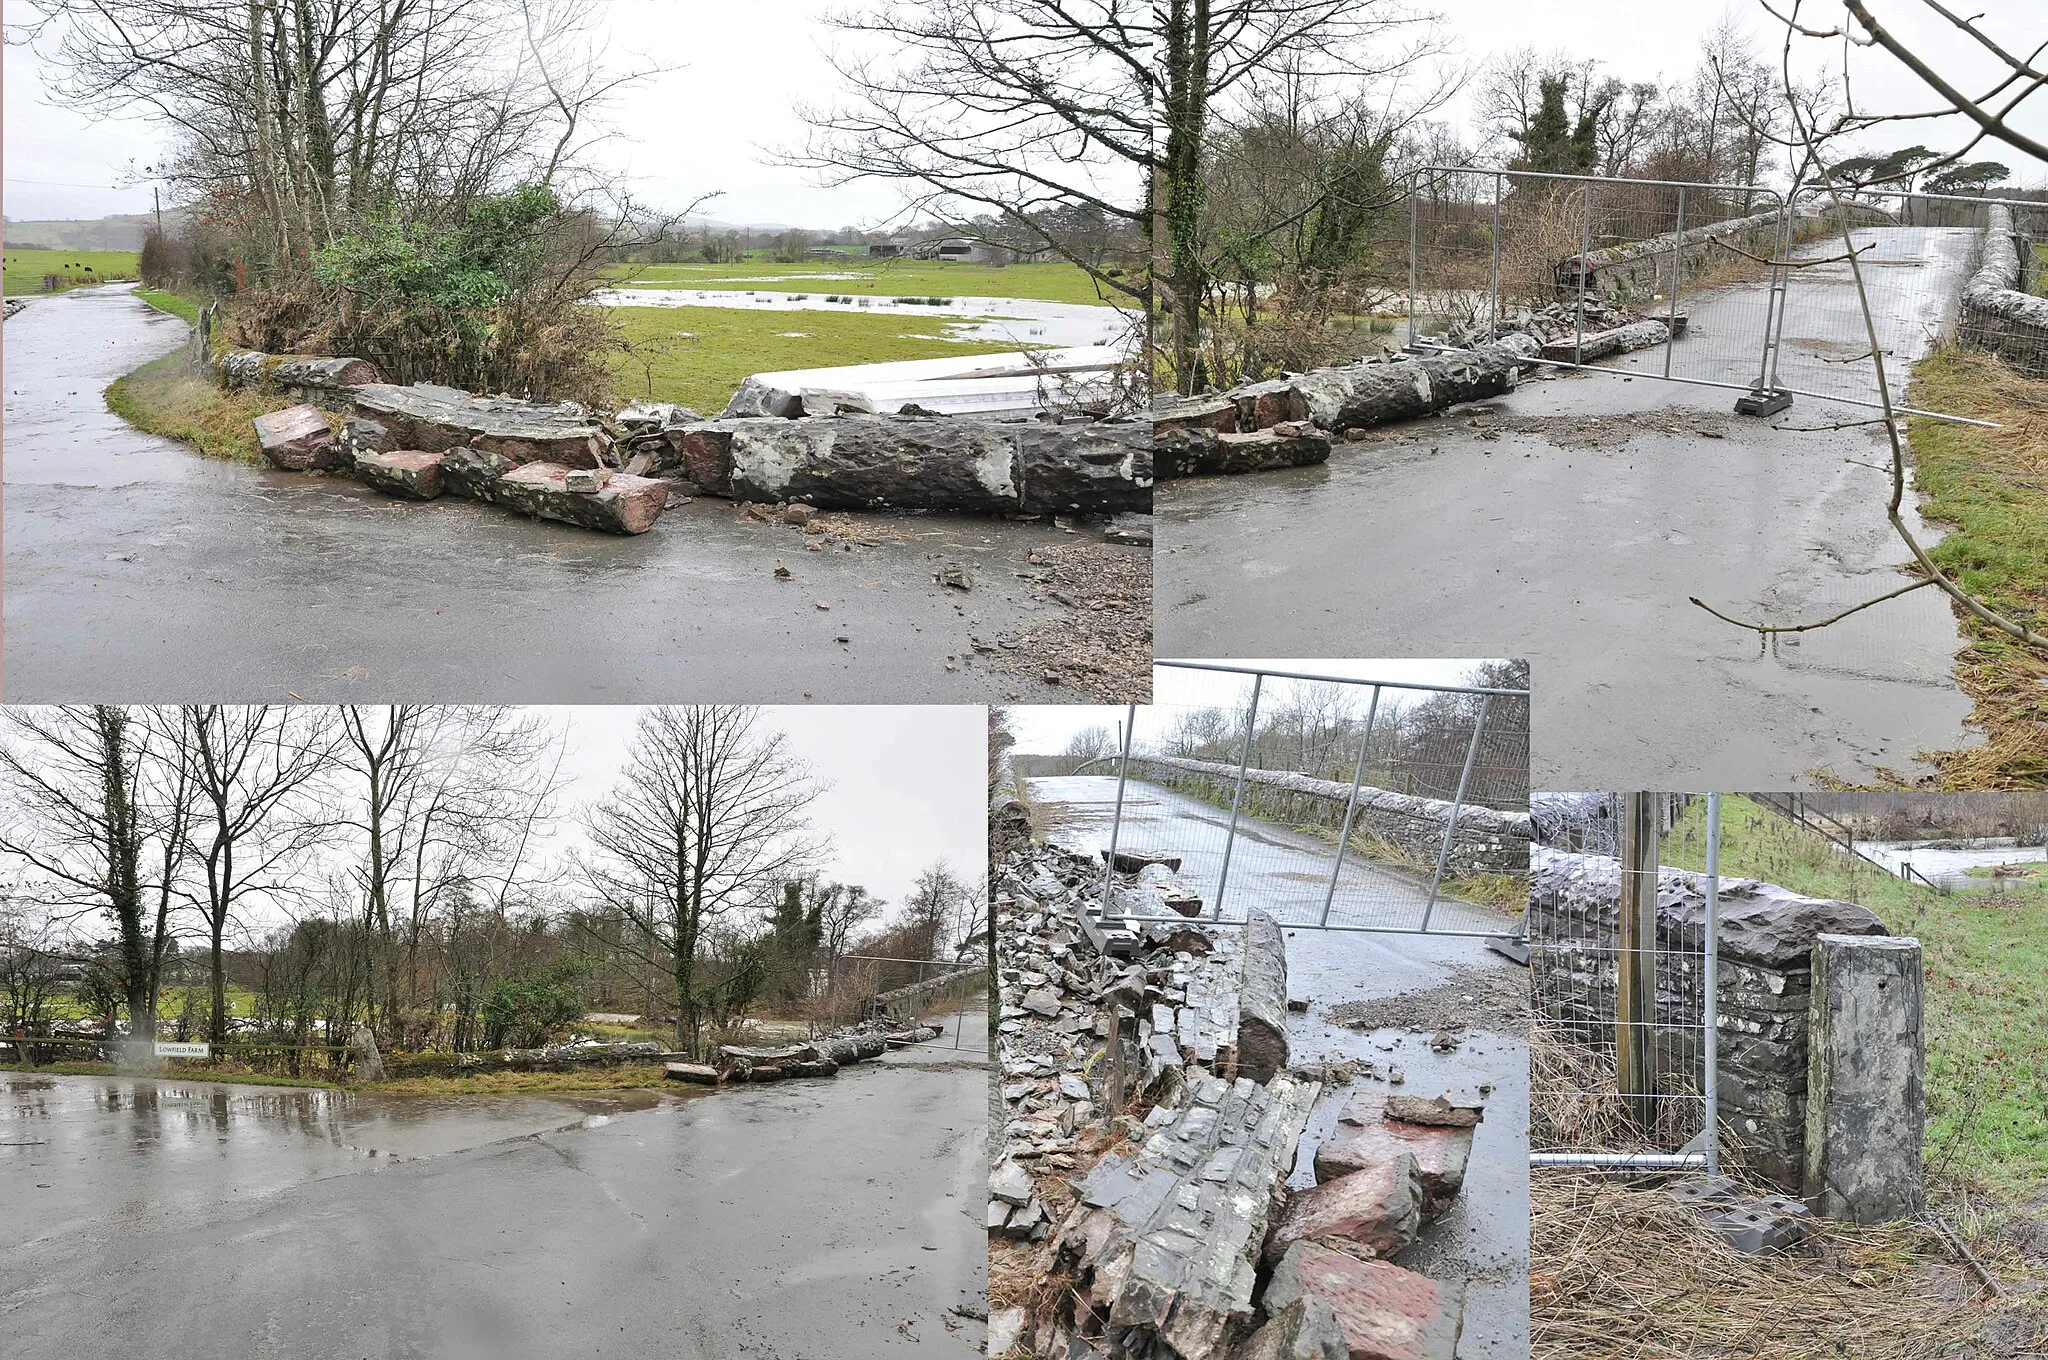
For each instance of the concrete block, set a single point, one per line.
(1752, 1223)
(1865, 1100)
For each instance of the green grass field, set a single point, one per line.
(74, 268)
(879, 278)
(171, 1003)
(1987, 1013)
(2041, 268)
(711, 350)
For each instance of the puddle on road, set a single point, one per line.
(179, 1116)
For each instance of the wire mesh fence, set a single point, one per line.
(1571, 257)
(856, 988)
(1750, 290)
(1345, 804)
(1623, 1051)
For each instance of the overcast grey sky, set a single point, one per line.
(1045, 729)
(739, 71)
(907, 783)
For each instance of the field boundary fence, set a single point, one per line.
(1329, 803)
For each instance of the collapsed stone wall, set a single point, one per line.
(1996, 314)
(1765, 938)
(562, 462)
(1290, 422)
(1639, 270)
(1150, 1122)
(1485, 841)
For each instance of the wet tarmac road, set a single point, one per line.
(809, 1220)
(1483, 1238)
(1283, 872)
(1578, 546)
(137, 570)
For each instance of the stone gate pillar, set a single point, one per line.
(1865, 1101)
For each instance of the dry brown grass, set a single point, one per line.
(1624, 1272)
(1574, 1102)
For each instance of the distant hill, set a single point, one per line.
(104, 233)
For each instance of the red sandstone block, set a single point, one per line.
(1383, 1311)
(1364, 1139)
(1378, 1209)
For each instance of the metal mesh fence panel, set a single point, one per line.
(855, 988)
(1337, 803)
(1622, 1055)
(1572, 258)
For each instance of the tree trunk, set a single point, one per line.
(1186, 43)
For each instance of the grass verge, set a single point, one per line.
(168, 397)
(181, 305)
(1990, 488)
(699, 355)
(875, 278)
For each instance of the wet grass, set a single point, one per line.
(1986, 1011)
(26, 269)
(1990, 489)
(180, 305)
(169, 397)
(877, 278)
(699, 355)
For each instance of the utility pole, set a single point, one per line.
(156, 196)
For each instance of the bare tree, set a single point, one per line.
(710, 806)
(843, 909)
(1990, 111)
(1207, 55)
(1023, 110)
(933, 913)
(323, 111)
(255, 777)
(98, 813)
(448, 796)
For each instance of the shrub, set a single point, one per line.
(526, 1010)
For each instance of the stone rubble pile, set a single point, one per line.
(1176, 1230)
(1595, 330)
